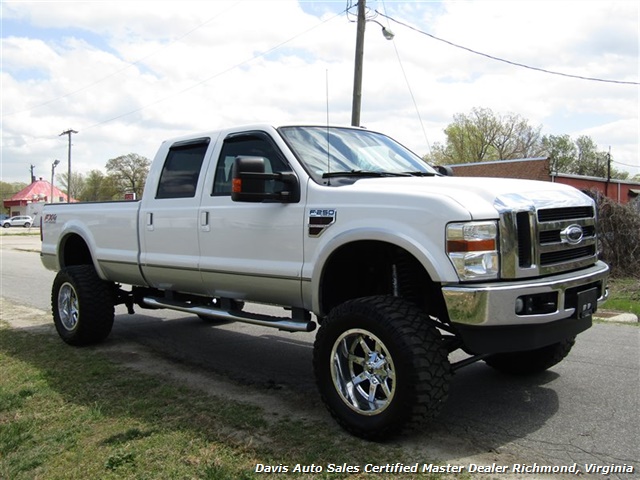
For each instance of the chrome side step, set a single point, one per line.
(303, 324)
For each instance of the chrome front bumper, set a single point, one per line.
(494, 304)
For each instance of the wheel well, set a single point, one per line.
(366, 268)
(75, 251)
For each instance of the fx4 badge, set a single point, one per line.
(320, 219)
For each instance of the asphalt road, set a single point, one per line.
(585, 410)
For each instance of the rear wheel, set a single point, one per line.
(531, 361)
(380, 366)
(83, 305)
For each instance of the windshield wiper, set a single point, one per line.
(365, 173)
(422, 174)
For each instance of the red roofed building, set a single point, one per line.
(30, 199)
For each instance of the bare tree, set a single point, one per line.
(77, 184)
(482, 135)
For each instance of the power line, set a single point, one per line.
(580, 77)
(625, 164)
(218, 74)
(413, 98)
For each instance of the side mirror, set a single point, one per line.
(445, 170)
(249, 181)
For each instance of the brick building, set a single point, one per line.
(622, 191)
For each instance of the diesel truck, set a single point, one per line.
(397, 264)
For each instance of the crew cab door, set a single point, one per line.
(169, 220)
(250, 251)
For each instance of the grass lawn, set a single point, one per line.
(624, 295)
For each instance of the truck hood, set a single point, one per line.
(482, 197)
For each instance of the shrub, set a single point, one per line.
(619, 233)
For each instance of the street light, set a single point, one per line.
(53, 168)
(386, 33)
(357, 74)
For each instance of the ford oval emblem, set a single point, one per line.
(572, 234)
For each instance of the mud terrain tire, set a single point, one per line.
(380, 366)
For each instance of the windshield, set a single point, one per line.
(331, 151)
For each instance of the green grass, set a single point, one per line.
(71, 413)
(624, 295)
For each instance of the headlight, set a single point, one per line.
(473, 249)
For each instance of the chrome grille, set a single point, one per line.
(547, 240)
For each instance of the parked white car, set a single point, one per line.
(20, 221)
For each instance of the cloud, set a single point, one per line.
(127, 75)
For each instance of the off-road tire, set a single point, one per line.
(83, 305)
(531, 361)
(410, 358)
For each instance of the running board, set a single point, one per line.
(281, 323)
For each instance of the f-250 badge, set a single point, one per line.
(320, 219)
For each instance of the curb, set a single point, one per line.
(609, 316)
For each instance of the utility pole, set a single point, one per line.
(357, 75)
(606, 191)
(68, 132)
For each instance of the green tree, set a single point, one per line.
(561, 150)
(130, 172)
(579, 157)
(99, 188)
(8, 190)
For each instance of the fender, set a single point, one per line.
(75, 227)
(430, 255)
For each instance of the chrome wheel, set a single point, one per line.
(68, 306)
(363, 372)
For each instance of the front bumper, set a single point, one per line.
(486, 319)
(494, 304)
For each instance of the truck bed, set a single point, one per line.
(115, 224)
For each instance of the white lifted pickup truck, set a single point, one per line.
(399, 264)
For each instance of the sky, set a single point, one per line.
(128, 74)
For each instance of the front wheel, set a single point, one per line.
(531, 361)
(380, 366)
(83, 305)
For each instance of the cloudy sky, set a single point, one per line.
(128, 74)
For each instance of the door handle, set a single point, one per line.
(204, 222)
(150, 221)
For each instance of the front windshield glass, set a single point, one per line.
(332, 151)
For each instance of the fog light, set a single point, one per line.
(519, 306)
(537, 304)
